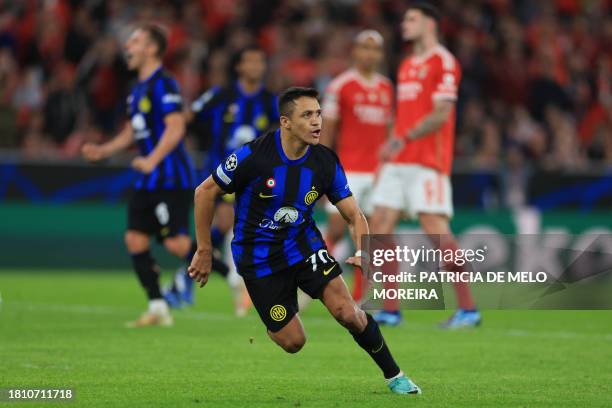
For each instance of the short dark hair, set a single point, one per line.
(428, 9)
(158, 35)
(288, 96)
(237, 56)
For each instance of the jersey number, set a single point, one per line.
(321, 255)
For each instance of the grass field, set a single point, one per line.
(66, 330)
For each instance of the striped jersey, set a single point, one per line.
(226, 118)
(148, 104)
(275, 196)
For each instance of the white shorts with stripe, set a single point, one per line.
(413, 189)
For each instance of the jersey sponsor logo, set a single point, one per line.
(140, 126)
(311, 196)
(409, 90)
(144, 104)
(231, 162)
(243, 134)
(278, 313)
(286, 215)
(375, 115)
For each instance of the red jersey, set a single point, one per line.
(421, 81)
(364, 110)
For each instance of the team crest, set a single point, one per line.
(311, 196)
(278, 313)
(144, 104)
(261, 122)
(231, 162)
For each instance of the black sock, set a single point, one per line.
(192, 251)
(372, 341)
(148, 273)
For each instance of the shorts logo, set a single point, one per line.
(278, 313)
(231, 162)
(311, 196)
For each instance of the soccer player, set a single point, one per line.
(416, 179)
(277, 247)
(226, 118)
(357, 111)
(161, 201)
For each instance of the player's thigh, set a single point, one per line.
(388, 191)
(224, 214)
(172, 210)
(275, 298)
(140, 213)
(178, 245)
(292, 336)
(430, 193)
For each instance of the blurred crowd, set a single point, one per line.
(536, 88)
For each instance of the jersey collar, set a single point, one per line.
(248, 95)
(157, 71)
(282, 154)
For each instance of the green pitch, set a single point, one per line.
(62, 330)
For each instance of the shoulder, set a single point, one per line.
(207, 97)
(383, 81)
(341, 81)
(325, 155)
(444, 59)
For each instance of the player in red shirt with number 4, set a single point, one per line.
(415, 178)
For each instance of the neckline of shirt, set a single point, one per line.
(281, 152)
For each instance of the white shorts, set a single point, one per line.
(361, 185)
(413, 189)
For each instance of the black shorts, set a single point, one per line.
(275, 296)
(163, 213)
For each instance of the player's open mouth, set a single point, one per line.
(316, 133)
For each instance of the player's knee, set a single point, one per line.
(136, 242)
(294, 345)
(178, 246)
(347, 314)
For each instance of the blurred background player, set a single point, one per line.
(161, 200)
(224, 118)
(357, 109)
(416, 180)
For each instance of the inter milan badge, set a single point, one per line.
(270, 183)
(311, 196)
(231, 162)
(144, 104)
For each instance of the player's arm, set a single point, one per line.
(174, 132)
(357, 223)
(433, 122)
(204, 208)
(122, 141)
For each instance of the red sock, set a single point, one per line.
(357, 284)
(462, 289)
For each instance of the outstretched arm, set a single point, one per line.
(205, 196)
(122, 141)
(358, 225)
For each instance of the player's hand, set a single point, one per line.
(92, 152)
(200, 267)
(391, 148)
(143, 165)
(355, 261)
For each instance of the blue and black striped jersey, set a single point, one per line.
(148, 104)
(275, 196)
(226, 118)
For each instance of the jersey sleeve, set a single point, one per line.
(446, 80)
(202, 107)
(232, 173)
(168, 96)
(339, 188)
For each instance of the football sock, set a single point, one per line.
(148, 273)
(372, 341)
(462, 289)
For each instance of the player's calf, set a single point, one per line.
(291, 337)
